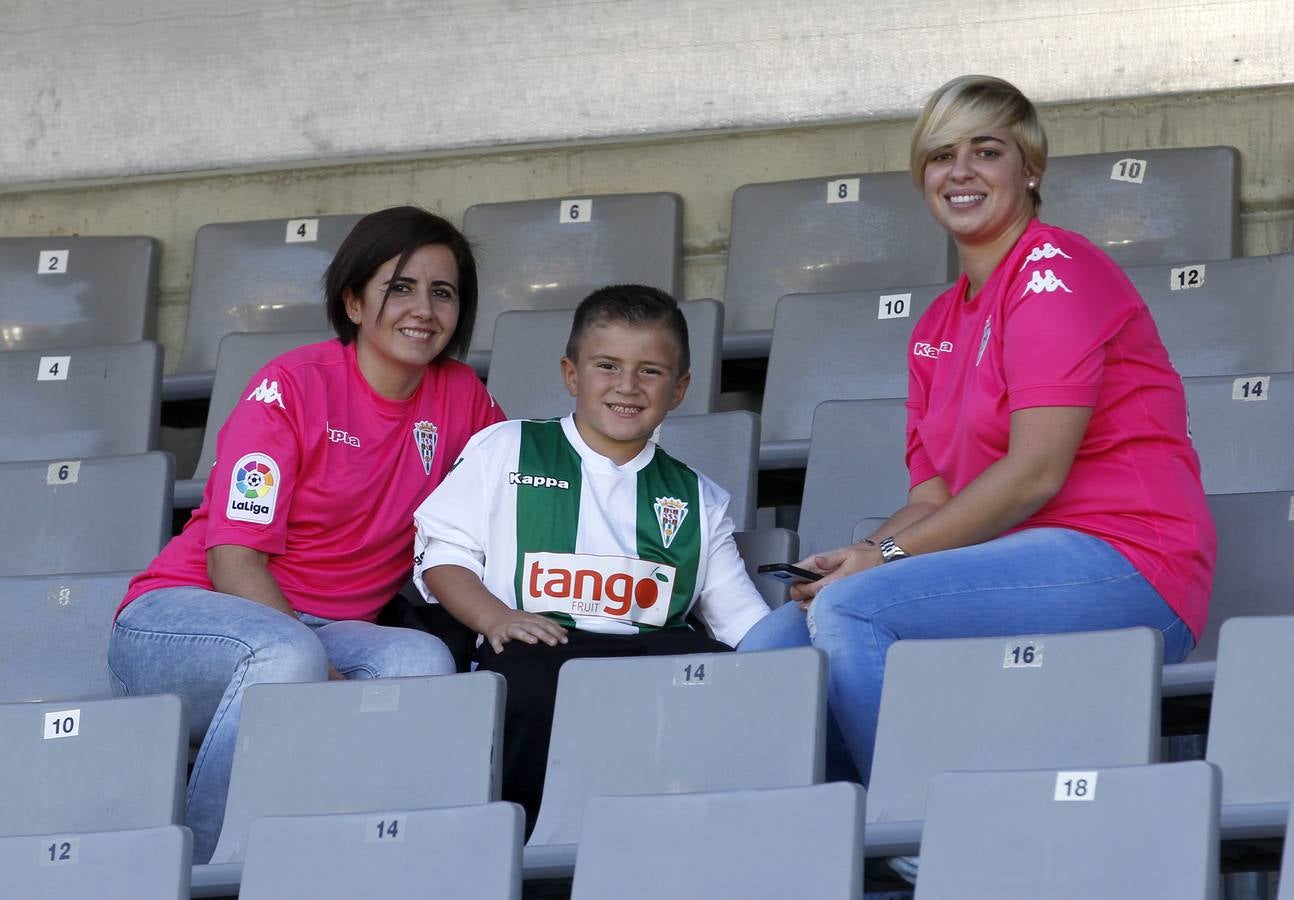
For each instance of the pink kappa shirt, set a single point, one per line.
(318, 470)
(1059, 324)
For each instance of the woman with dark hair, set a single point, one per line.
(306, 527)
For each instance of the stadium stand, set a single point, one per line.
(91, 401)
(724, 446)
(1114, 833)
(549, 254)
(148, 863)
(768, 545)
(1241, 426)
(468, 851)
(712, 842)
(77, 291)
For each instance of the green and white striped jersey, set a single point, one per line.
(553, 527)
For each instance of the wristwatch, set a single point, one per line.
(891, 551)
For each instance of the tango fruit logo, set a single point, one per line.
(582, 584)
(253, 489)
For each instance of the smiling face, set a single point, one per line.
(624, 380)
(395, 344)
(978, 190)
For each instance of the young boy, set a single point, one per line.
(579, 537)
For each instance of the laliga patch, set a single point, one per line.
(253, 489)
(670, 513)
(425, 436)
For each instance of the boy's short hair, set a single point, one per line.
(633, 304)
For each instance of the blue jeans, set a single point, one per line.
(208, 647)
(1037, 581)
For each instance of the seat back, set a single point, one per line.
(92, 765)
(1145, 207)
(816, 235)
(826, 817)
(1082, 700)
(681, 724)
(466, 851)
(92, 401)
(100, 865)
(723, 446)
(768, 545)
(98, 514)
(1240, 426)
(64, 621)
(550, 254)
(77, 291)
(1093, 833)
(298, 747)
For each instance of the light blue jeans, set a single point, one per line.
(208, 647)
(1037, 581)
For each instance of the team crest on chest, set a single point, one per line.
(670, 513)
(424, 438)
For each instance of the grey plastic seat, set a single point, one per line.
(768, 545)
(97, 514)
(723, 446)
(466, 851)
(856, 469)
(824, 820)
(253, 276)
(1223, 317)
(1145, 207)
(804, 237)
(1241, 427)
(696, 723)
(92, 401)
(240, 356)
(1132, 832)
(92, 765)
(148, 863)
(1074, 701)
(56, 629)
(525, 374)
(77, 291)
(550, 254)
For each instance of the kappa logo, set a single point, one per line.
(540, 481)
(425, 435)
(930, 351)
(583, 584)
(1046, 251)
(337, 436)
(267, 392)
(253, 489)
(1039, 282)
(670, 513)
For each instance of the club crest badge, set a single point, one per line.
(424, 438)
(670, 514)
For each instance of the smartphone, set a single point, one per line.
(788, 573)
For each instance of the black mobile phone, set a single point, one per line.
(788, 573)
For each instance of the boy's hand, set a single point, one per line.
(517, 625)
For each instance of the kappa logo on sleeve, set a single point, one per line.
(266, 392)
(253, 489)
(1040, 281)
(1038, 254)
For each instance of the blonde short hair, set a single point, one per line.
(969, 105)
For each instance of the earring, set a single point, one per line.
(1033, 185)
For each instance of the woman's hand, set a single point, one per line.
(834, 566)
(518, 625)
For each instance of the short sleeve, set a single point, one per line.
(728, 603)
(920, 466)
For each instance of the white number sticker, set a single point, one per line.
(1129, 170)
(1023, 655)
(302, 231)
(1292, 509)
(691, 672)
(894, 306)
(63, 472)
(52, 262)
(387, 828)
(1186, 277)
(60, 596)
(62, 723)
(1075, 786)
(52, 368)
(575, 211)
(59, 851)
(844, 190)
(1251, 387)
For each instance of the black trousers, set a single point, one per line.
(531, 672)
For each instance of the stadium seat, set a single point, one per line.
(1242, 427)
(1145, 207)
(718, 845)
(92, 401)
(816, 235)
(77, 291)
(467, 851)
(723, 446)
(239, 357)
(856, 469)
(92, 765)
(1075, 701)
(150, 863)
(1224, 317)
(57, 629)
(97, 514)
(253, 276)
(525, 375)
(549, 254)
(1114, 833)
(768, 545)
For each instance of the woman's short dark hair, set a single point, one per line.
(398, 232)
(636, 305)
